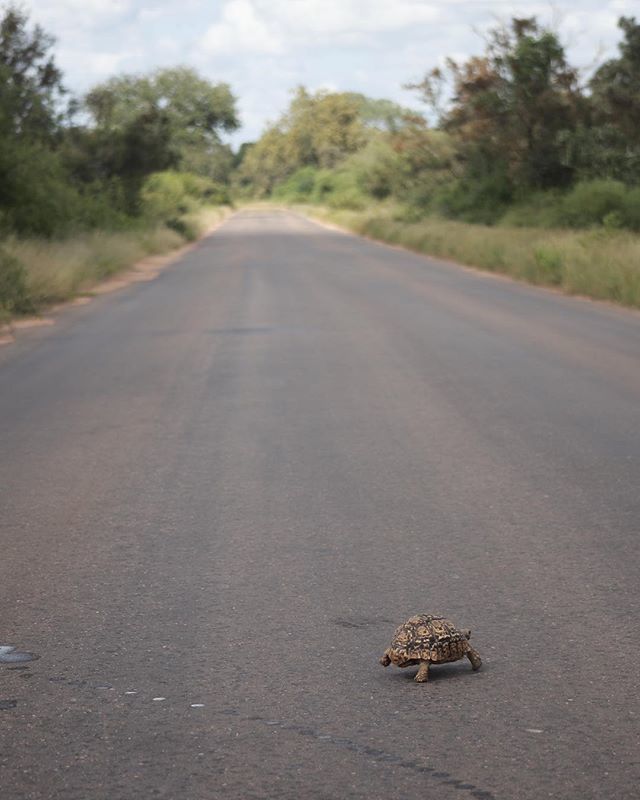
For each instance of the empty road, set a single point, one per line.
(223, 489)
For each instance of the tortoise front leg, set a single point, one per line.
(422, 676)
(385, 660)
(474, 657)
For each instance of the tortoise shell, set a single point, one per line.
(427, 638)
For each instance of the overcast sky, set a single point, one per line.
(264, 48)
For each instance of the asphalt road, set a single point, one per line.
(226, 487)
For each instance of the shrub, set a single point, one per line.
(185, 227)
(376, 169)
(14, 294)
(339, 190)
(298, 187)
(537, 210)
(165, 196)
(589, 202)
(481, 201)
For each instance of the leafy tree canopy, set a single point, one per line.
(178, 111)
(512, 106)
(616, 85)
(30, 82)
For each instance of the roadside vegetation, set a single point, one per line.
(597, 263)
(519, 165)
(54, 270)
(528, 168)
(90, 185)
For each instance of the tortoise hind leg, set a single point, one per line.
(385, 660)
(474, 658)
(422, 676)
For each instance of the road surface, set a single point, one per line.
(222, 490)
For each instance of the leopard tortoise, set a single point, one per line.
(425, 640)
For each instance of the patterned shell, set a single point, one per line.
(429, 638)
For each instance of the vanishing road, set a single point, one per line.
(223, 489)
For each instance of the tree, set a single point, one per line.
(609, 146)
(30, 83)
(318, 130)
(189, 111)
(615, 86)
(172, 118)
(379, 113)
(323, 128)
(266, 163)
(512, 107)
(36, 196)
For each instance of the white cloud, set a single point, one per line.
(95, 67)
(270, 26)
(70, 14)
(322, 18)
(241, 28)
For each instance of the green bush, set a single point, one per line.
(589, 202)
(183, 226)
(339, 189)
(376, 169)
(36, 195)
(299, 187)
(482, 201)
(166, 196)
(14, 294)
(537, 210)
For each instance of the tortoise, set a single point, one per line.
(426, 639)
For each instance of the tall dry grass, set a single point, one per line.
(602, 264)
(55, 271)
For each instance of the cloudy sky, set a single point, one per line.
(264, 48)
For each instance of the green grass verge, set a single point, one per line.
(36, 273)
(601, 264)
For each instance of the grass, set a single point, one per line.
(599, 263)
(54, 271)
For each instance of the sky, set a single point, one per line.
(265, 48)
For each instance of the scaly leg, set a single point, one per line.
(422, 676)
(385, 660)
(474, 658)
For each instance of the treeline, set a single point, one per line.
(519, 139)
(69, 164)
(135, 155)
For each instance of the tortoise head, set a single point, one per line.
(466, 634)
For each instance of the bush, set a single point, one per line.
(537, 210)
(36, 195)
(589, 202)
(166, 196)
(298, 187)
(183, 226)
(14, 294)
(481, 201)
(376, 169)
(339, 190)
